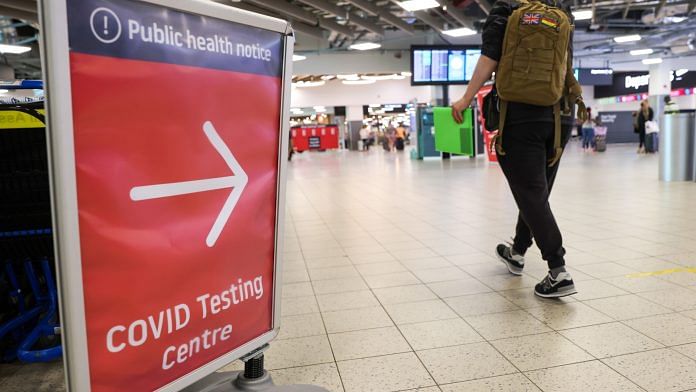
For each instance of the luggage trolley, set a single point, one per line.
(29, 327)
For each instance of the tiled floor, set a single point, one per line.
(390, 283)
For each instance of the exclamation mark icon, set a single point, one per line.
(106, 25)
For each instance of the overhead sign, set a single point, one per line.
(626, 83)
(168, 139)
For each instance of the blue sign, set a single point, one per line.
(142, 31)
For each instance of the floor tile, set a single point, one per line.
(384, 374)
(295, 276)
(324, 375)
(302, 289)
(640, 285)
(339, 285)
(678, 299)
(525, 298)
(440, 333)
(416, 312)
(610, 340)
(568, 315)
(371, 258)
(509, 383)
(505, 325)
(380, 268)
(605, 270)
(301, 326)
(298, 352)
(688, 349)
(298, 305)
(627, 307)
(402, 294)
(333, 273)
(540, 351)
(409, 254)
(581, 377)
(440, 274)
(472, 305)
(491, 267)
(328, 262)
(456, 288)
(657, 371)
(427, 263)
(348, 300)
(668, 329)
(595, 289)
(509, 282)
(356, 319)
(368, 343)
(466, 362)
(391, 280)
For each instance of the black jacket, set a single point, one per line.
(642, 119)
(492, 46)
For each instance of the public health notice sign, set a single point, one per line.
(176, 127)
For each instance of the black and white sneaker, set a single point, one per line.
(555, 288)
(513, 261)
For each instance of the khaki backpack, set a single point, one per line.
(535, 66)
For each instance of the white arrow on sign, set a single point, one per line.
(237, 182)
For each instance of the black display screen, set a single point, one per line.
(443, 64)
(595, 76)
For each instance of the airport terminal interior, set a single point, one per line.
(356, 246)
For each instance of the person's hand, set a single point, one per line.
(457, 109)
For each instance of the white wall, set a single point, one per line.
(335, 93)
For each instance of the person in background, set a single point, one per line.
(400, 136)
(365, 136)
(644, 115)
(391, 137)
(671, 107)
(635, 123)
(588, 133)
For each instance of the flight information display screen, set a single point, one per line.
(443, 64)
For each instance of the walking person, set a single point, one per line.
(588, 133)
(645, 114)
(365, 137)
(535, 133)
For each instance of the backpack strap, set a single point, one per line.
(498, 139)
(558, 149)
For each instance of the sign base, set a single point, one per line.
(236, 382)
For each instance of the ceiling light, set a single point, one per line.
(348, 77)
(298, 57)
(460, 32)
(582, 14)
(3, 91)
(309, 84)
(641, 52)
(14, 49)
(656, 60)
(627, 38)
(359, 81)
(328, 77)
(405, 73)
(365, 46)
(417, 5)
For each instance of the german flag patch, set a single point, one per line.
(549, 22)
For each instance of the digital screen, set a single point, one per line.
(457, 65)
(422, 61)
(443, 65)
(595, 76)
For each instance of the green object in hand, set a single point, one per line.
(452, 137)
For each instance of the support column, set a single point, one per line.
(354, 118)
(659, 87)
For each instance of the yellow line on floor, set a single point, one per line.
(662, 272)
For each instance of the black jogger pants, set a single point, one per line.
(528, 148)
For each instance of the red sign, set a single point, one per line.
(488, 134)
(176, 151)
